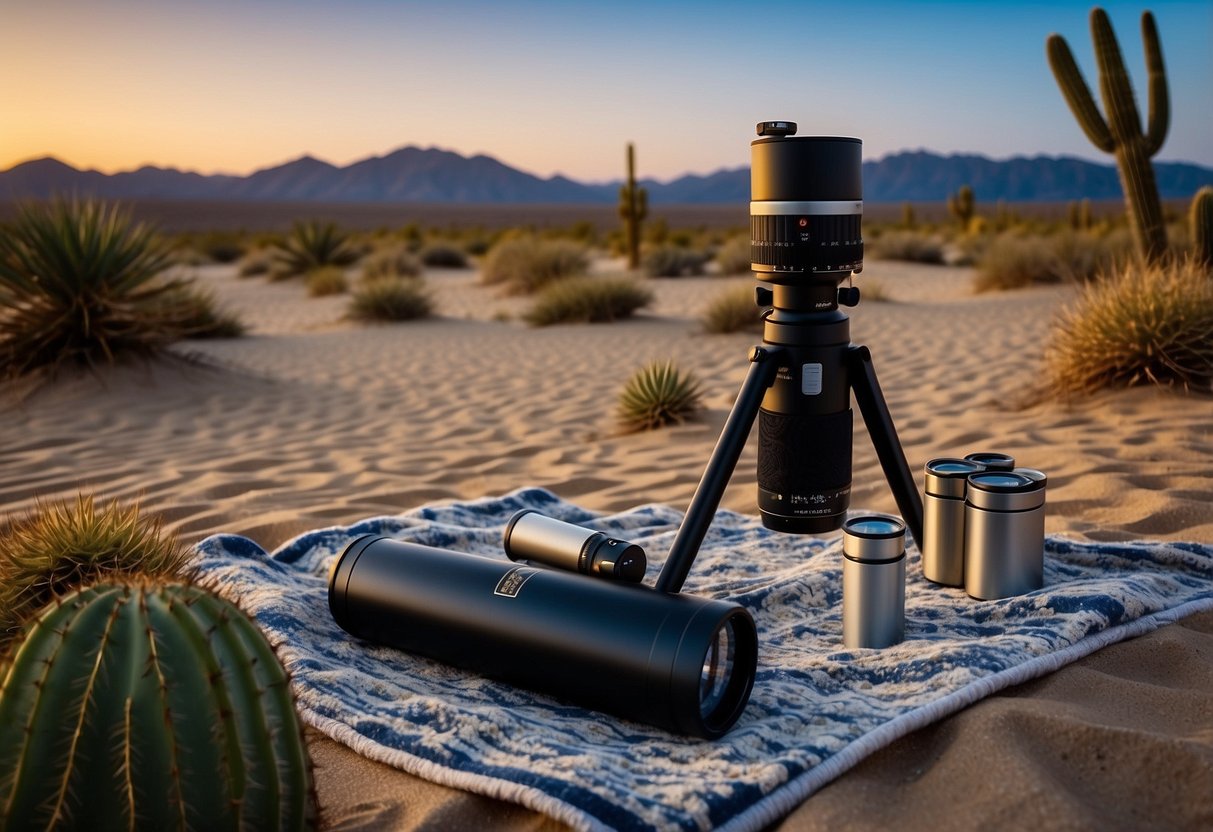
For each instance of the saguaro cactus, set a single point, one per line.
(1201, 219)
(633, 208)
(134, 706)
(962, 206)
(1121, 133)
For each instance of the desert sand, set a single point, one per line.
(313, 420)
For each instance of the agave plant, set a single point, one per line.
(311, 245)
(80, 283)
(59, 547)
(658, 394)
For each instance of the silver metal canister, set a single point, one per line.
(943, 521)
(1004, 534)
(873, 581)
(992, 460)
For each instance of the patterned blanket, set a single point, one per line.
(817, 709)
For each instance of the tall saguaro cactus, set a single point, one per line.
(633, 208)
(1121, 133)
(962, 205)
(1201, 218)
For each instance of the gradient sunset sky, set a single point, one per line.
(559, 87)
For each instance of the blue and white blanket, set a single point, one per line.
(817, 708)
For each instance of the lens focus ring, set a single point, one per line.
(806, 243)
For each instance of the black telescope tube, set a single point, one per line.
(682, 663)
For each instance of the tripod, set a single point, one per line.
(806, 348)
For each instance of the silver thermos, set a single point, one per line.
(943, 522)
(873, 581)
(1004, 533)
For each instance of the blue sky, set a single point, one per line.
(555, 87)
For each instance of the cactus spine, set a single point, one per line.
(132, 706)
(633, 208)
(962, 206)
(1201, 220)
(1121, 133)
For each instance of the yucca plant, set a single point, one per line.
(588, 300)
(311, 245)
(139, 705)
(658, 394)
(733, 310)
(60, 546)
(524, 264)
(80, 283)
(329, 280)
(199, 315)
(1147, 324)
(391, 299)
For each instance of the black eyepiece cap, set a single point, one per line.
(776, 128)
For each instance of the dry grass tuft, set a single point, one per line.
(393, 261)
(59, 547)
(443, 256)
(674, 261)
(391, 299)
(329, 280)
(1144, 325)
(1014, 261)
(733, 310)
(910, 246)
(658, 394)
(523, 265)
(734, 256)
(588, 300)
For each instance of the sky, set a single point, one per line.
(561, 87)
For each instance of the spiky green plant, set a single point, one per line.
(588, 300)
(525, 264)
(1200, 218)
(137, 706)
(633, 208)
(80, 283)
(733, 310)
(391, 299)
(962, 206)
(60, 546)
(1147, 324)
(329, 280)
(658, 394)
(199, 314)
(311, 245)
(1121, 133)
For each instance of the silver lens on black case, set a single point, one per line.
(532, 536)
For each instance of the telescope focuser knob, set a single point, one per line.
(848, 296)
(763, 296)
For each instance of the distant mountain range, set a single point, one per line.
(414, 174)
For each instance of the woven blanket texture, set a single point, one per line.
(816, 709)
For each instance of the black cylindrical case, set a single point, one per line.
(792, 168)
(625, 650)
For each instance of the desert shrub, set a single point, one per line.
(61, 546)
(199, 315)
(329, 280)
(443, 256)
(394, 261)
(588, 300)
(658, 394)
(525, 264)
(391, 299)
(256, 262)
(1143, 324)
(80, 283)
(733, 310)
(875, 291)
(910, 246)
(311, 245)
(673, 261)
(734, 256)
(1012, 261)
(221, 246)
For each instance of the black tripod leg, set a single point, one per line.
(764, 364)
(884, 437)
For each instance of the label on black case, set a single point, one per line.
(511, 582)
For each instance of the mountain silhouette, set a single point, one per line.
(414, 174)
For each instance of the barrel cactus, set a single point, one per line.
(1121, 133)
(156, 707)
(633, 208)
(1201, 219)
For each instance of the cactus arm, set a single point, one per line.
(1114, 87)
(226, 736)
(286, 736)
(1160, 106)
(1077, 94)
(50, 691)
